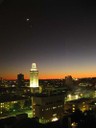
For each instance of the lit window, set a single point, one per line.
(55, 114)
(54, 107)
(55, 119)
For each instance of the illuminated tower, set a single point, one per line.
(34, 76)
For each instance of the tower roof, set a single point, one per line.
(34, 67)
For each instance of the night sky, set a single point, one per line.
(60, 37)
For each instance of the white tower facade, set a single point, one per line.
(34, 83)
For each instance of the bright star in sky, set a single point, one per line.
(27, 19)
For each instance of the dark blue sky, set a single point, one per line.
(59, 36)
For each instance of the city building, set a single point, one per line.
(13, 104)
(48, 107)
(82, 104)
(68, 80)
(20, 80)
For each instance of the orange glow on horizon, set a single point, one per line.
(51, 76)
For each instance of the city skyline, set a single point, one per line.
(58, 36)
(47, 76)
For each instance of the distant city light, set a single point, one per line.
(74, 124)
(76, 96)
(54, 119)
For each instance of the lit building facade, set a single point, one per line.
(9, 107)
(34, 83)
(81, 104)
(48, 108)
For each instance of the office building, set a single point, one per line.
(48, 108)
(20, 80)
